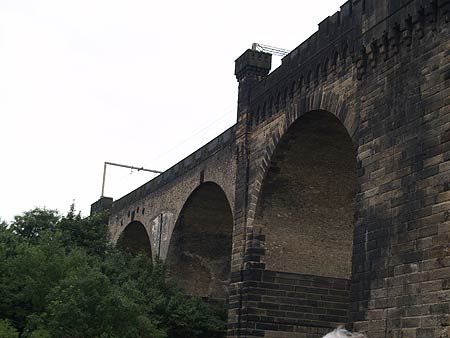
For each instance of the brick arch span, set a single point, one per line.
(316, 100)
(199, 252)
(306, 202)
(135, 239)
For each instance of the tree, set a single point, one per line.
(90, 233)
(28, 275)
(61, 278)
(7, 330)
(31, 224)
(86, 304)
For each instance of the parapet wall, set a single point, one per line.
(358, 38)
(226, 139)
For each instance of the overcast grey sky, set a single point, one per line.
(137, 82)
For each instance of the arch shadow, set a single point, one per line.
(306, 204)
(199, 254)
(305, 210)
(135, 240)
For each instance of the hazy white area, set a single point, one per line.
(137, 82)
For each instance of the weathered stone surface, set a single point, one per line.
(187, 215)
(372, 177)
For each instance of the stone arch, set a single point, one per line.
(293, 90)
(317, 73)
(345, 52)
(326, 68)
(306, 206)
(199, 253)
(135, 239)
(309, 79)
(335, 59)
(285, 97)
(316, 101)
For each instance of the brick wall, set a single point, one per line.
(295, 303)
(382, 68)
(199, 254)
(306, 205)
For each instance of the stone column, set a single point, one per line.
(252, 67)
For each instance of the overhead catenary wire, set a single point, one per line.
(176, 146)
(229, 111)
(255, 46)
(123, 166)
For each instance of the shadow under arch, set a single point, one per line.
(199, 255)
(134, 239)
(306, 205)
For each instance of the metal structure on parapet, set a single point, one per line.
(270, 49)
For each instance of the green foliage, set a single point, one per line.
(40, 334)
(8, 240)
(7, 330)
(61, 278)
(90, 233)
(191, 318)
(33, 223)
(30, 274)
(88, 305)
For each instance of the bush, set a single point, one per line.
(61, 278)
(7, 330)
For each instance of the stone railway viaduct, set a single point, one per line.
(328, 201)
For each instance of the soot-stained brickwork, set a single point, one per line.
(185, 217)
(381, 68)
(200, 246)
(134, 239)
(337, 175)
(307, 200)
